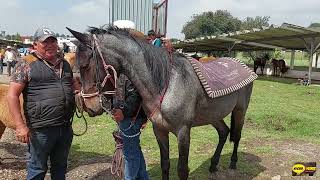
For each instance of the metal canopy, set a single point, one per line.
(286, 36)
(219, 43)
(4, 42)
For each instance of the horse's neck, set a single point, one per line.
(141, 77)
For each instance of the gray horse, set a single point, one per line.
(172, 95)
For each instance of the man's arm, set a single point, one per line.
(22, 131)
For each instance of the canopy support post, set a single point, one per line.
(292, 59)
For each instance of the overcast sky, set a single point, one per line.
(24, 16)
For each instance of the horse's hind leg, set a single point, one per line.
(184, 145)
(255, 67)
(237, 120)
(163, 141)
(2, 128)
(223, 132)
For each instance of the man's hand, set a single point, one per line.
(23, 133)
(76, 84)
(117, 114)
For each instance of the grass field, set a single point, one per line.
(279, 110)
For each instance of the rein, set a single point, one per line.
(78, 110)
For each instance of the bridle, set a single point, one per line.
(100, 86)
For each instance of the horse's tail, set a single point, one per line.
(232, 127)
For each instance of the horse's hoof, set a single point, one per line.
(233, 166)
(213, 169)
(216, 175)
(232, 172)
(213, 175)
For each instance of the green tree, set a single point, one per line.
(211, 23)
(8, 37)
(255, 22)
(17, 37)
(315, 25)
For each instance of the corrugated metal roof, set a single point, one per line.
(4, 42)
(286, 36)
(219, 43)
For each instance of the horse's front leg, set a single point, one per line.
(163, 142)
(183, 144)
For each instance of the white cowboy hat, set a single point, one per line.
(124, 24)
(9, 47)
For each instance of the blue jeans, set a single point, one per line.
(49, 142)
(134, 163)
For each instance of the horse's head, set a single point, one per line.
(98, 77)
(99, 61)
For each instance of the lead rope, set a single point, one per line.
(79, 113)
(117, 159)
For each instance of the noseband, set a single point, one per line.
(113, 79)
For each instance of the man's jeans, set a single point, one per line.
(134, 163)
(53, 142)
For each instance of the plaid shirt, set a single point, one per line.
(21, 72)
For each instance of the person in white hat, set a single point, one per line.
(10, 57)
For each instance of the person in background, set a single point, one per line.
(65, 48)
(153, 39)
(2, 51)
(15, 50)
(46, 82)
(10, 58)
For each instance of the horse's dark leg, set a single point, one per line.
(163, 141)
(223, 132)
(237, 120)
(255, 67)
(2, 128)
(274, 71)
(184, 144)
(262, 68)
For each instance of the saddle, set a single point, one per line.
(223, 75)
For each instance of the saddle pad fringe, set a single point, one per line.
(214, 91)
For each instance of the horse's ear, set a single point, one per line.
(82, 37)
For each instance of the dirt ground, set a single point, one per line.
(276, 166)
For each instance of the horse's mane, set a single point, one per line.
(158, 60)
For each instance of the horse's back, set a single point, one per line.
(71, 58)
(207, 59)
(5, 116)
